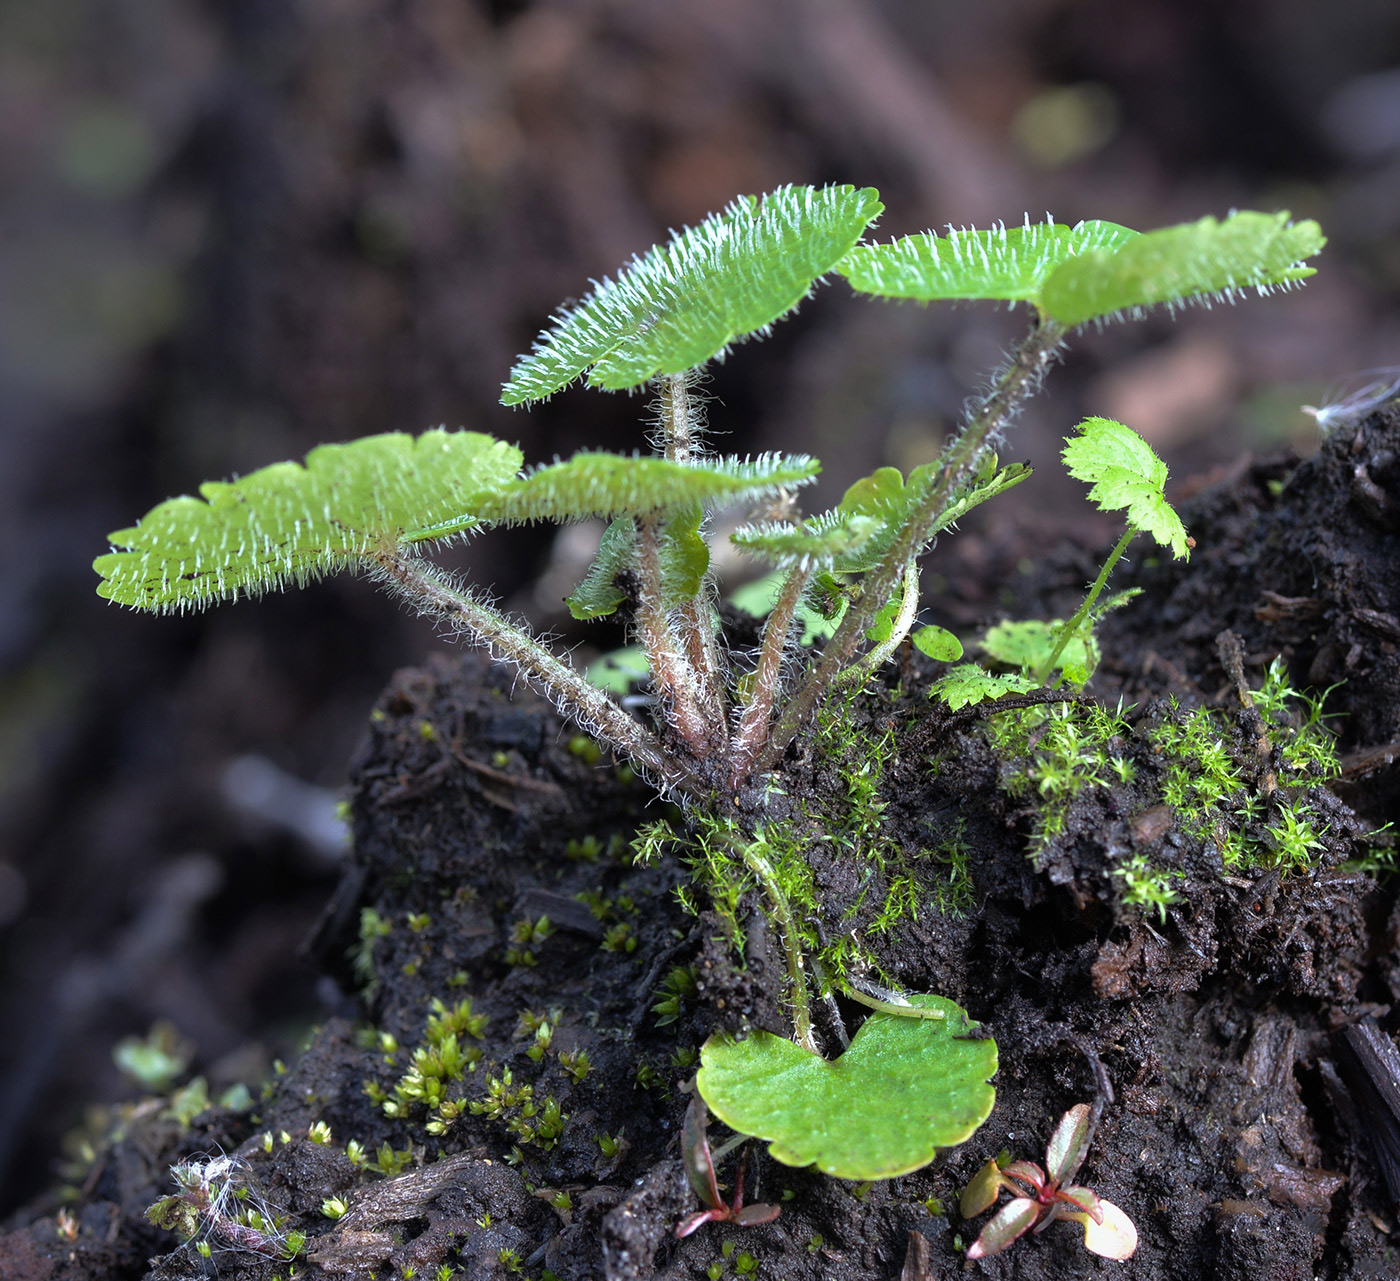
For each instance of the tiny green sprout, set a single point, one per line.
(745, 1264)
(610, 1144)
(575, 1063)
(267, 1142)
(1040, 1196)
(714, 1271)
(619, 938)
(699, 1163)
(154, 1061)
(1147, 887)
(334, 1207)
(485, 1220)
(509, 1259)
(815, 1242)
(585, 749)
(319, 1132)
(355, 1153)
(419, 921)
(445, 1272)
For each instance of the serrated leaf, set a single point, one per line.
(290, 522)
(687, 300)
(818, 542)
(937, 642)
(1126, 476)
(1027, 644)
(967, 685)
(607, 485)
(1192, 260)
(1010, 263)
(904, 1088)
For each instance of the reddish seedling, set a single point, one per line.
(1040, 1196)
(700, 1170)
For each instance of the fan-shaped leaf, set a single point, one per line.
(1126, 476)
(710, 285)
(607, 485)
(294, 522)
(1183, 262)
(1011, 263)
(903, 1089)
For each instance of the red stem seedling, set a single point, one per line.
(700, 1170)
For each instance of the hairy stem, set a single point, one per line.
(676, 682)
(860, 672)
(960, 462)
(433, 593)
(1066, 633)
(752, 852)
(758, 713)
(680, 418)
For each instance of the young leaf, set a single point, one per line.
(1115, 1238)
(1010, 263)
(967, 684)
(688, 300)
(685, 559)
(1065, 1152)
(904, 1088)
(1125, 475)
(290, 522)
(937, 642)
(590, 485)
(619, 670)
(1027, 644)
(1198, 259)
(818, 542)
(1008, 1224)
(981, 1192)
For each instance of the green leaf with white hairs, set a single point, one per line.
(816, 543)
(1126, 475)
(967, 685)
(1206, 259)
(685, 559)
(607, 485)
(686, 301)
(1010, 263)
(290, 523)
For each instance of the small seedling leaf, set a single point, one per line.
(598, 595)
(1012, 1221)
(686, 301)
(1208, 258)
(903, 1089)
(1065, 1152)
(1027, 644)
(685, 559)
(1115, 1238)
(981, 1192)
(967, 684)
(290, 523)
(1011, 263)
(1083, 1199)
(937, 642)
(1126, 476)
(591, 485)
(695, 1151)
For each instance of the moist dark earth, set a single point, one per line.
(1231, 1138)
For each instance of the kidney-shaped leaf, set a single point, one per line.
(905, 1088)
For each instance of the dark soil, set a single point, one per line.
(1230, 1140)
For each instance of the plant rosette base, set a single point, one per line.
(905, 1088)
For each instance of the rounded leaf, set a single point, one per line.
(1115, 1238)
(904, 1088)
(937, 642)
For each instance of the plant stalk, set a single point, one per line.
(752, 854)
(961, 460)
(432, 592)
(754, 721)
(1043, 672)
(858, 673)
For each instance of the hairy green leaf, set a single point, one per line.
(967, 684)
(685, 559)
(903, 1089)
(687, 300)
(1011, 263)
(607, 485)
(290, 522)
(1206, 258)
(818, 542)
(1126, 476)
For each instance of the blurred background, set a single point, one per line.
(232, 229)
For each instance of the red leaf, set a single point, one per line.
(1013, 1220)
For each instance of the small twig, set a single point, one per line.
(510, 780)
